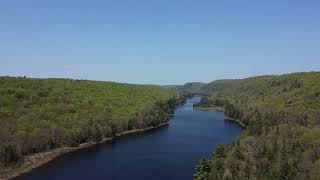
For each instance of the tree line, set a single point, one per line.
(282, 114)
(38, 115)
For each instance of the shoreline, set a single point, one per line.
(225, 118)
(39, 159)
(208, 108)
(235, 120)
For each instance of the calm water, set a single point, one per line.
(170, 152)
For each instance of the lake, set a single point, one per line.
(170, 152)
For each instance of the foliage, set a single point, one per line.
(42, 114)
(188, 88)
(282, 113)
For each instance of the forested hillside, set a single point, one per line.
(188, 88)
(282, 140)
(37, 115)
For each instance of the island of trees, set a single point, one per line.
(282, 138)
(38, 115)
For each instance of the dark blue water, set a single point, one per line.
(170, 152)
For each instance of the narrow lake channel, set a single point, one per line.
(170, 152)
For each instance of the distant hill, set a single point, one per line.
(224, 85)
(172, 87)
(191, 87)
(282, 139)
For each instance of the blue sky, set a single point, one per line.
(158, 41)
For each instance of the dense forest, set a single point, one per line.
(282, 138)
(38, 115)
(189, 89)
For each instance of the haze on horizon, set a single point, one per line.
(158, 42)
